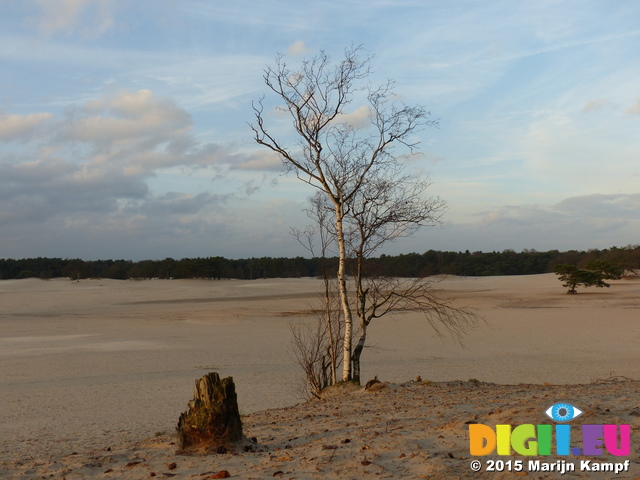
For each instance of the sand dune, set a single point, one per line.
(93, 370)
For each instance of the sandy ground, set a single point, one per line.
(94, 375)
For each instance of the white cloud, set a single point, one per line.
(297, 48)
(176, 203)
(589, 221)
(126, 115)
(594, 206)
(577, 153)
(260, 161)
(91, 17)
(108, 169)
(98, 157)
(597, 104)
(16, 127)
(635, 108)
(359, 118)
(60, 15)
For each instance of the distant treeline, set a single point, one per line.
(432, 262)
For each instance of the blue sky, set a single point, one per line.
(123, 123)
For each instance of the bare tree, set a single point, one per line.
(332, 154)
(391, 205)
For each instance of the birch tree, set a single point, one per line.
(348, 163)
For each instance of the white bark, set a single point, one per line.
(344, 298)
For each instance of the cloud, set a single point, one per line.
(98, 158)
(260, 161)
(60, 15)
(597, 104)
(176, 203)
(136, 133)
(16, 127)
(124, 116)
(581, 222)
(634, 109)
(37, 190)
(124, 233)
(432, 158)
(359, 118)
(583, 208)
(601, 206)
(123, 172)
(297, 48)
(91, 18)
(572, 153)
(586, 221)
(278, 16)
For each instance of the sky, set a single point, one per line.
(124, 124)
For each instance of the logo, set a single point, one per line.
(533, 440)
(563, 412)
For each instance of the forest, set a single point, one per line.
(432, 262)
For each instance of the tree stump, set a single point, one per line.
(212, 421)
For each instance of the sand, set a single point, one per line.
(95, 374)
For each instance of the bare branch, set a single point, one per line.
(364, 197)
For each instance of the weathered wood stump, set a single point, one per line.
(212, 421)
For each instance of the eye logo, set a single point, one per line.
(563, 412)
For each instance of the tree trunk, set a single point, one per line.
(329, 317)
(361, 310)
(344, 299)
(212, 421)
(332, 346)
(357, 352)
